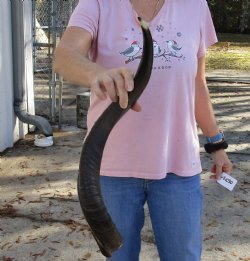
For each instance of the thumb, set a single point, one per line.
(136, 107)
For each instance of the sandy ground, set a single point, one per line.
(40, 216)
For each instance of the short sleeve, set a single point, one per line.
(207, 31)
(86, 16)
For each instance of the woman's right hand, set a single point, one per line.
(71, 61)
(116, 83)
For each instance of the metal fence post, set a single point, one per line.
(50, 19)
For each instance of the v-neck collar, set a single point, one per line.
(135, 15)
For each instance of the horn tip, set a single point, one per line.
(143, 23)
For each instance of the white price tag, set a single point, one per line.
(227, 181)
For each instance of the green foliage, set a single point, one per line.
(231, 16)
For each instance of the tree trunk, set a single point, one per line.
(245, 16)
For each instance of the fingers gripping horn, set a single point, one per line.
(102, 227)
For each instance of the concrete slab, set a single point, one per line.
(228, 76)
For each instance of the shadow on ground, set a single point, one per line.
(40, 214)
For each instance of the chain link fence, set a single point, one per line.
(50, 19)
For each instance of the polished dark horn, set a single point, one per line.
(102, 227)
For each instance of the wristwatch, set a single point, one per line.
(215, 143)
(217, 138)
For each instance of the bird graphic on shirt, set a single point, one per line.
(173, 46)
(132, 51)
(157, 49)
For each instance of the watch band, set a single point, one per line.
(212, 147)
(219, 137)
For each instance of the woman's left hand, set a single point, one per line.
(221, 164)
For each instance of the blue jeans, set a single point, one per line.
(175, 206)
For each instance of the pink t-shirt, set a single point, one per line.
(162, 138)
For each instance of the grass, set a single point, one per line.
(231, 52)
